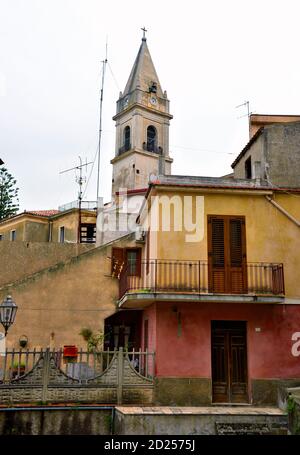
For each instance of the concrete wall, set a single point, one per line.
(193, 421)
(55, 422)
(20, 259)
(256, 152)
(277, 149)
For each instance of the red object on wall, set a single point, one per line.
(70, 351)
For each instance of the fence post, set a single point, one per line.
(45, 374)
(120, 376)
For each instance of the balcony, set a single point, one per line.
(124, 148)
(254, 282)
(150, 147)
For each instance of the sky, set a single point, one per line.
(210, 56)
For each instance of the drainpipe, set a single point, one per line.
(283, 211)
(50, 231)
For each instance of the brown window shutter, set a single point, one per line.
(148, 252)
(139, 262)
(216, 254)
(117, 260)
(236, 242)
(218, 246)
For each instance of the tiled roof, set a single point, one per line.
(43, 212)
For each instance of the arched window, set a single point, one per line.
(151, 139)
(127, 138)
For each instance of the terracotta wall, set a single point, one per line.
(189, 354)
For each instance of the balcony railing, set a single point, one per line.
(124, 148)
(196, 277)
(149, 147)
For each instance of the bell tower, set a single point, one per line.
(142, 127)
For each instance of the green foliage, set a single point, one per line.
(94, 339)
(9, 202)
(290, 404)
(86, 333)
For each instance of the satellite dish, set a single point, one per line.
(153, 177)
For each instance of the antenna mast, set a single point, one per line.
(247, 104)
(79, 180)
(104, 62)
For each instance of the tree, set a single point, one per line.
(9, 202)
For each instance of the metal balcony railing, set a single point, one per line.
(150, 147)
(124, 148)
(196, 277)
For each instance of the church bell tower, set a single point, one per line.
(142, 127)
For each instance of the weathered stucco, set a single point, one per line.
(56, 303)
(20, 259)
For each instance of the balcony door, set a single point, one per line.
(229, 362)
(227, 261)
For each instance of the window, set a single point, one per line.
(151, 138)
(126, 256)
(62, 234)
(13, 235)
(134, 261)
(1, 237)
(248, 168)
(87, 233)
(127, 138)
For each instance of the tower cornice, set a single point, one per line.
(143, 107)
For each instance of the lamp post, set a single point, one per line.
(8, 310)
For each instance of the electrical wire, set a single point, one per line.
(114, 78)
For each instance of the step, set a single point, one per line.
(209, 420)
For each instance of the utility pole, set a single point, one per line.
(80, 181)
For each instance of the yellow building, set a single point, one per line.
(63, 226)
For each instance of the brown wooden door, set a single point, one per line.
(229, 362)
(227, 261)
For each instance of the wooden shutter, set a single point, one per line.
(148, 252)
(227, 265)
(216, 254)
(237, 256)
(117, 261)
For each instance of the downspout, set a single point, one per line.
(50, 231)
(282, 210)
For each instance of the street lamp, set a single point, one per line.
(8, 310)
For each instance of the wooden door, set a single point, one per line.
(229, 362)
(227, 261)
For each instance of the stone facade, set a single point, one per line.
(276, 149)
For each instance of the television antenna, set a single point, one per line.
(80, 180)
(247, 105)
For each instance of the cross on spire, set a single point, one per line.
(144, 33)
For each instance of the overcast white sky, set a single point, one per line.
(209, 55)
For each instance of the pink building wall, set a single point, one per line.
(186, 351)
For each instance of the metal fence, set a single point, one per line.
(195, 277)
(95, 377)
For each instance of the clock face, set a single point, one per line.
(153, 100)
